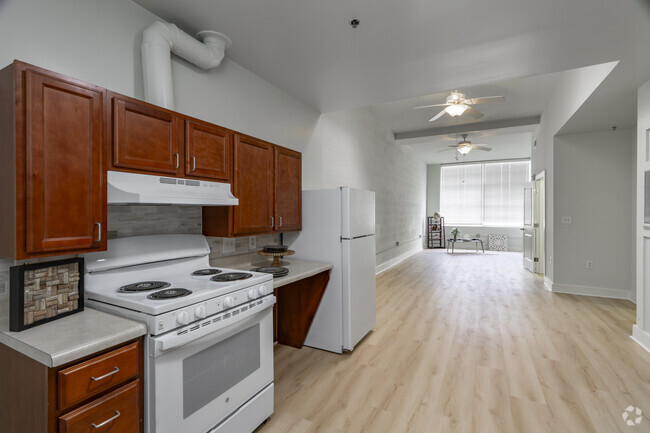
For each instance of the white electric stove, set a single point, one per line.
(209, 348)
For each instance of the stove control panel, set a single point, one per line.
(174, 319)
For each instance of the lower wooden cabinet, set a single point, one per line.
(116, 412)
(100, 393)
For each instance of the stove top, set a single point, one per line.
(108, 286)
(144, 286)
(231, 276)
(169, 293)
(207, 271)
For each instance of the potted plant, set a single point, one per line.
(455, 232)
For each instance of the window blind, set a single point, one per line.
(489, 194)
(461, 199)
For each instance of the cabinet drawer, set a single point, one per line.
(117, 412)
(91, 377)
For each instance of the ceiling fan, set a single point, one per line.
(456, 104)
(465, 146)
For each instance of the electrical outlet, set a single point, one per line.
(566, 220)
(228, 245)
(590, 264)
(252, 243)
(550, 260)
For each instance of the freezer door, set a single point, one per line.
(359, 289)
(358, 212)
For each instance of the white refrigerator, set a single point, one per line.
(338, 227)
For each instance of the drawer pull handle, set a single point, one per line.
(113, 418)
(115, 370)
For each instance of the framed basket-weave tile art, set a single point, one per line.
(42, 292)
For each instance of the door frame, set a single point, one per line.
(539, 214)
(528, 229)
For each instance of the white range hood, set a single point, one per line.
(131, 188)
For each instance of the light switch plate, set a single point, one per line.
(566, 220)
(228, 245)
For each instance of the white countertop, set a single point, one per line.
(69, 338)
(298, 269)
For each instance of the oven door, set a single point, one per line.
(196, 381)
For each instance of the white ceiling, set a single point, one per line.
(405, 49)
(509, 143)
(525, 97)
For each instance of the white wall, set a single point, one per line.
(99, 41)
(641, 331)
(595, 178)
(353, 148)
(572, 90)
(515, 238)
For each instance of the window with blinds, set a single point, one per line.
(485, 194)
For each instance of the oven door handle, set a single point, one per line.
(201, 328)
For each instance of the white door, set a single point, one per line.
(529, 227)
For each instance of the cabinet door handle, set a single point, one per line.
(272, 222)
(115, 370)
(280, 218)
(99, 232)
(113, 418)
(194, 163)
(178, 160)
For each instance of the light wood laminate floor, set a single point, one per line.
(470, 343)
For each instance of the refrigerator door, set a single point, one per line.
(359, 289)
(320, 240)
(358, 213)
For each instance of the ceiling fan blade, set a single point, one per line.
(474, 113)
(452, 145)
(481, 147)
(429, 106)
(444, 150)
(485, 99)
(437, 116)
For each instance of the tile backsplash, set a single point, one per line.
(140, 220)
(148, 220)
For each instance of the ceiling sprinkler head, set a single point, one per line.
(354, 23)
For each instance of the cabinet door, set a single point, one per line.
(145, 138)
(207, 150)
(65, 188)
(253, 186)
(288, 190)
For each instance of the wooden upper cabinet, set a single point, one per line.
(65, 189)
(53, 164)
(253, 186)
(207, 150)
(145, 137)
(288, 189)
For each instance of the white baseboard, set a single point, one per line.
(641, 337)
(392, 262)
(601, 292)
(548, 284)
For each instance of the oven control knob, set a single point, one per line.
(183, 318)
(229, 302)
(252, 293)
(200, 312)
(262, 290)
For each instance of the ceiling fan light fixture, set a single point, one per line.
(455, 110)
(464, 148)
